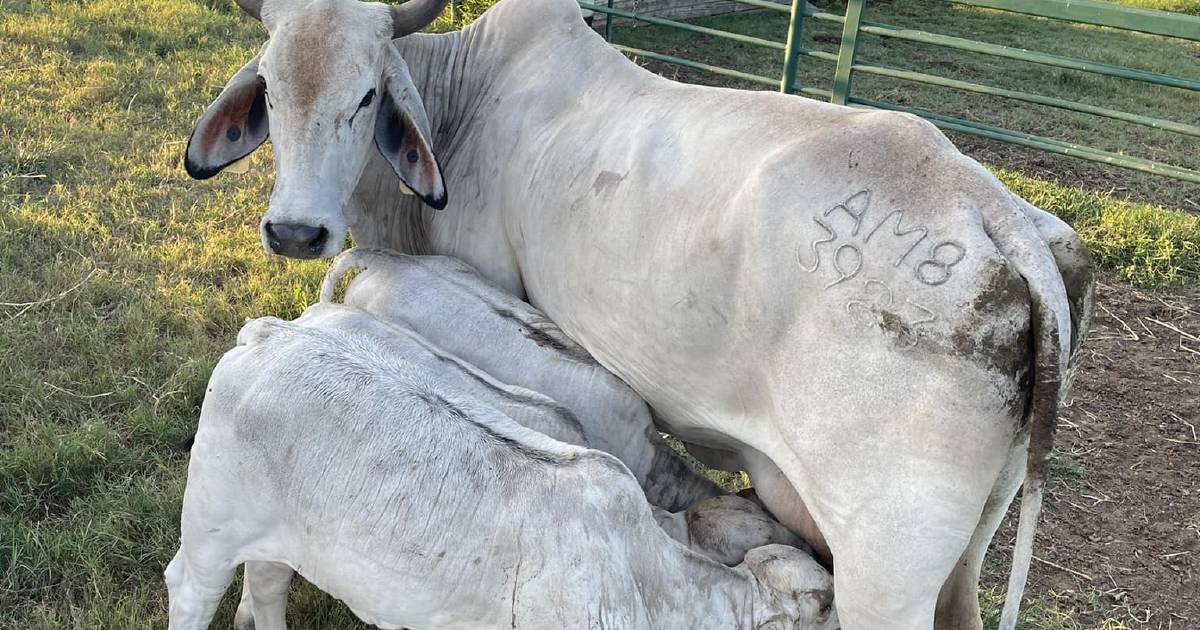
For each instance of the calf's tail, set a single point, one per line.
(1018, 240)
(360, 258)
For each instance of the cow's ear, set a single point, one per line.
(403, 136)
(233, 126)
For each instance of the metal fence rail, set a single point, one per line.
(847, 64)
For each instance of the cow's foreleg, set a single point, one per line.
(196, 581)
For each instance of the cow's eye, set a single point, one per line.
(367, 98)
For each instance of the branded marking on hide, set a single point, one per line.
(849, 253)
(898, 232)
(858, 243)
(832, 236)
(878, 310)
(942, 267)
(845, 274)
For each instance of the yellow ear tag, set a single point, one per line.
(241, 167)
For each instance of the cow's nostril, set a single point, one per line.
(295, 240)
(316, 245)
(272, 237)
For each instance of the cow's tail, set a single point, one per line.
(1015, 235)
(359, 258)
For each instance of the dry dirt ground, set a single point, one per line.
(1120, 536)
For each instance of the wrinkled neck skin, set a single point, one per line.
(382, 214)
(460, 76)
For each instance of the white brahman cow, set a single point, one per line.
(374, 477)
(838, 293)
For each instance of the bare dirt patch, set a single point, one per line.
(1120, 536)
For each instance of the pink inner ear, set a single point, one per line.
(233, 112)
(425, 169)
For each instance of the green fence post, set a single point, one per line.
(849, 48)
(608, 23)
(791, 54)
(454, 12)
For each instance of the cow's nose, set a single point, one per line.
(296, 240)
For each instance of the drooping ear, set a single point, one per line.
(233, 126)
(403, 136)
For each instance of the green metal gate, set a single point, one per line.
(854, 24)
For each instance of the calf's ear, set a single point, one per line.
(233, 125)
(402, 135)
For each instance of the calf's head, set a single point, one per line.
(327, 87)
(793, 591)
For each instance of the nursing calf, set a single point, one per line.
(726, 528)
(323, 451)
(449, 303)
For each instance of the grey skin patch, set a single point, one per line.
(563, 414)
(546, 335)
(517, 448)
(309, 36)
(606, 183)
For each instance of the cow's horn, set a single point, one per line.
(414, 15)
(253, 7)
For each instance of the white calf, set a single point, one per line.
(373, 477)
(529, 409)
(451, 305)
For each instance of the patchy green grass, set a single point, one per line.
(1191, 7)
(1064, 468)
(122, 282)
(1040, 614)
(1144, 243)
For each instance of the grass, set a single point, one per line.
(1191, 7)
(122, 282)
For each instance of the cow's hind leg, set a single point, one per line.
(891, 562)
(264, 597)
(898, 520)
(958, 602)
(195, 584)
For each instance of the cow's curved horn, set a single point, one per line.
(252, 7)
(414, 15)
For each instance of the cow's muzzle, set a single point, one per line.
(296, 240)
